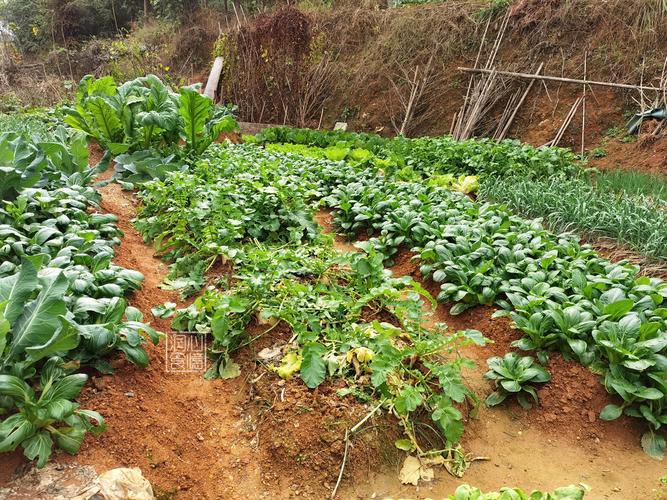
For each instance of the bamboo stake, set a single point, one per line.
(502, 134)
(642, 108)
(468, 120)
(465, 100)
(560, 79)
(565, 124)
(451, 127)
(583, 113)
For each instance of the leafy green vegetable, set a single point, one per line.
(515, 375)
(558, 292)
(467, 492)
(145, 113)
(61, 304)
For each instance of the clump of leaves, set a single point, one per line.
(145, 113)
(515, 375)
(350, 318)
(467, 492)
(47, 414)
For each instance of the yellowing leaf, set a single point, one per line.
(363, 354)
(466, 184)
(289, 365)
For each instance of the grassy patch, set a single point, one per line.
(633, 183)
(577, 205)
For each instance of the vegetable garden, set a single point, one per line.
(457, 210)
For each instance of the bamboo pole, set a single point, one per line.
(459, 116)
(566, 123)
(506, 129)
(583, 112)
(560, 79)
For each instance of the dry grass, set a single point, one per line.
(368, 48)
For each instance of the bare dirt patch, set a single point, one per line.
(647, 154)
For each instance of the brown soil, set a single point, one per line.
(325, 219)
(647, 154)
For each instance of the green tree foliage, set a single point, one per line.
(39, 23)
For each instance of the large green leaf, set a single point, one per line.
(39, 320)
(161, 108)
(106, 119)
(67, 387)
(78, 119)
(105, 86)
(14, 430)
(69, 439)
(4, 328)
(195, 110)
(15, 387)
(64, 339)
(313, 367)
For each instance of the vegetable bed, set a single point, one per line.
(250, 210)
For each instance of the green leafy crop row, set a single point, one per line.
(61, 298)
(439, 155)
(349, 317)
(560, 294)
(466, 492)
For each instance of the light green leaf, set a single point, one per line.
(229, 370)
(16, 289)
(404, 444)
(39, 319)
(69, 439)
(40, 446)
(195, 110)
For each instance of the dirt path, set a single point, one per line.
(187, 435)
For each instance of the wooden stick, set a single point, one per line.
(479, 53)
(456, 129)
(502, 134)
(451, 127)
(342, 466)
(499, 40)
(565, 124)
(560, 79)
(567, 121)
(583, 113)
(471, 119)
(214, 78)
(348, 434)
(642, 108)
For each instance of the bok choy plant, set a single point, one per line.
(515, 375)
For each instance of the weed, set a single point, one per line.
(598, 152)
